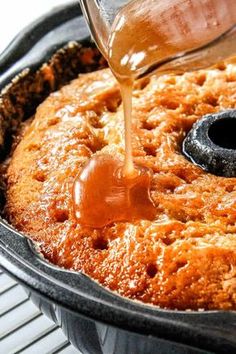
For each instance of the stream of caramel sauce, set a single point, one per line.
(144, 32)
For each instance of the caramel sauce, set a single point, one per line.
(102, 194)
(144, 33)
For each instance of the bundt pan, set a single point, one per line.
(95, 320)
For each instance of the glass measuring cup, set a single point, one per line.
(199, 32)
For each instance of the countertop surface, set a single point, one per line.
(17, 14)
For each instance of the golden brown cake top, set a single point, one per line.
(186, 257)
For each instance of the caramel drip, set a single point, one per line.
(126, 93)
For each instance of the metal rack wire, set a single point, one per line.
(23, 328)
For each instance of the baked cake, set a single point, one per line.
(186, 257)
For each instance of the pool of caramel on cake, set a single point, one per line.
(185, 258)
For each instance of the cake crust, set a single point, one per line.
(186, 258)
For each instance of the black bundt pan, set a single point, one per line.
(94, 319)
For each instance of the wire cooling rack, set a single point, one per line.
(23, 328)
